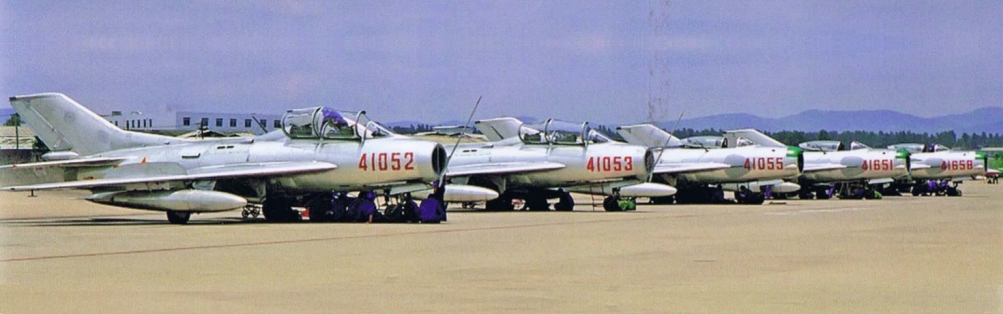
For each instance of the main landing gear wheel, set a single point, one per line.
(615, 204)
(953, 191)
(566, 203)
(178, 218)
(250, 211)
(278, 209)
(537, 204)
(656, 200)
(501, 203)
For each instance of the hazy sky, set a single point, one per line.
(602, 61)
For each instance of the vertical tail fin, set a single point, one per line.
(64, 125)
(647, 135)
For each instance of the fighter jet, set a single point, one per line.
(826, 164)
(323, 151)
(537, 162)
(933, 162)
(701, 169)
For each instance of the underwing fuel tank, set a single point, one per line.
(461, 193)
(647, 189)
(179, 200)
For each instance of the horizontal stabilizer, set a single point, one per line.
(667, 168)
(207, 173)
(501, 167)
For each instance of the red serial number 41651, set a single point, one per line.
(395, 161)
(957, 165)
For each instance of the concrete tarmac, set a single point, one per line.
(61, 254)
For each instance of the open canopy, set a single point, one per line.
(327, 123)
(560, 133)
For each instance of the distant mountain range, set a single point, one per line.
(989, 120)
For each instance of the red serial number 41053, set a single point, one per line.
(610, 164)
(387, 161)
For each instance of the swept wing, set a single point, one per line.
(501, 168)
(205, 173)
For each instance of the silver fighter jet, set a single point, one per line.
(701, 171)
(536, 162)
(323, 151)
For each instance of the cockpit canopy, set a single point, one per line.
(326, 123)
(560, 133)
(858, 145)
(920, 148)
(822, 146)
(707, 141)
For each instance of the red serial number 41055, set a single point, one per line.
(387, 161)
(764, 163)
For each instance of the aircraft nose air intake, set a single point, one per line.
(798, 154)
(438, 160)
(649, 161)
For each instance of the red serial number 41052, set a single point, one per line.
(387, 161)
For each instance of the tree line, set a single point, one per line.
(873, 139)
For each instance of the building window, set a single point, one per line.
(233, 123)
(204, 122)
(219, 121)
(278, 124)
(186, 121)
(247, 123)
(144, 123)
(116, 123)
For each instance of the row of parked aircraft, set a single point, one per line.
(320, 152)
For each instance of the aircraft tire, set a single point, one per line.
(953, 192)
(659, 200)
(822, 194)
(318, 209)
(178, 218)
(611, 204)
(537, 204)
(277, 209)
(755, 198)
(501, 203)
(805, 194)
(566, 203)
